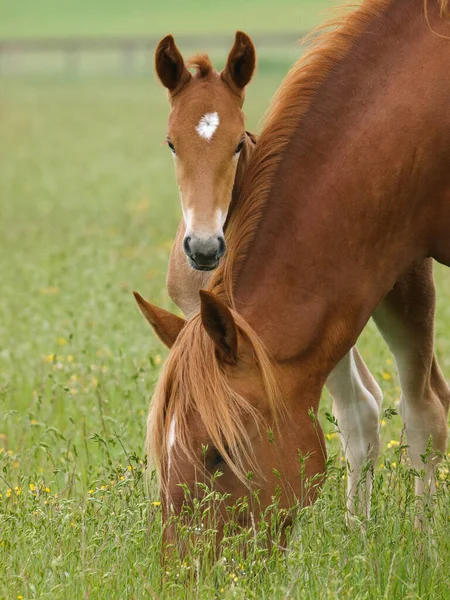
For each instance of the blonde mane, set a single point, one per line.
(192, 378)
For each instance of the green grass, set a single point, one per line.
(140, 17)
(88, 210)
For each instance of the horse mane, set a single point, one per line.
(445, 8)
(202, 63)
(192, 378)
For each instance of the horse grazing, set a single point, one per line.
(346, 198)
(206, 113)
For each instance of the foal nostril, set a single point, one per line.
(186, 246)
(222, 247)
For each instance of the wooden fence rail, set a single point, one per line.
(128, 47)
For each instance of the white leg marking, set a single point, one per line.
(357, 411)
(207, 125)
(421, 409)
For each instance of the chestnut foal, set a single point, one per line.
(345, 198)
(211, 148)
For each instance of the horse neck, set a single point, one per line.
(356, 195)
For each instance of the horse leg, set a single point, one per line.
(356, 405)
(405, 319)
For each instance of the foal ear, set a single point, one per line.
(219, 324)
(241, 62)
(169, 65)
(166, 325)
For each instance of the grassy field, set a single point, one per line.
(88, 211)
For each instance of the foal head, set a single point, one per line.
(219, 406)
(206, 133)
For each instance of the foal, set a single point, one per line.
(210, 147)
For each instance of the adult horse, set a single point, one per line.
(346, 197)
(211, 148)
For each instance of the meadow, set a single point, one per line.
(88, 212)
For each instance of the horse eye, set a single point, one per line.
(218, 458)
(171, 146)
(239, 148)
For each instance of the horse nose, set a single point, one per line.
(204, 253)
(186, 246)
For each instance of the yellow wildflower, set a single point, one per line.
(32, 487)
(18, 490)
(331, 436)
(443, 472)
(69, 358)
(47, 490)
(386, 376)
(156, 503)
(8, 493)
(383, 422)
(130, 468)
(49, 357)
(393, 444)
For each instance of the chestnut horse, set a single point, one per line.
(345, 199)
(209, 168)
(206, 135)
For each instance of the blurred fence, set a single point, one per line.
(125, 53)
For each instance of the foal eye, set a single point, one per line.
(171, 146)
(239, 147)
